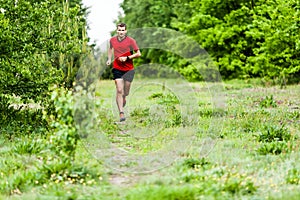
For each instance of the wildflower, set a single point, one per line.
(2, 10)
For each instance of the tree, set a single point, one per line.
(155, 13)
(38, 42)
(276, 26)
(42, 44)
(245, 38)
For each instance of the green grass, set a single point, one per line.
(246, 148)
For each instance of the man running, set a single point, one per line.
(125, 49)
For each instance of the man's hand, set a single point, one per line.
(108, 62)
(123, 58)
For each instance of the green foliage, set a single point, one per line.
(272, 133)
(40, 40)
(275, 140)
(244, 38)
(274, 147)
(64, 137)
(169, 102)
(52, 173)
(61, 172)
(275, 25)
(27, 146)
(293, 115)
(207, 112)
(19, 182)
(156, 13)
(293, 176)
(32, 57)
(107, 123)
(268, 102)
(42, 44)
(166, 99)
(50, 155)
(164, 109)
(19, 119)
(236, 185)
(163, 192)
(195, 163)
(219, 180)
(140, 113)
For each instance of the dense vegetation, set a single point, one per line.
(245, 38)
(43, 43)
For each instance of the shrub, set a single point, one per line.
(63, 137)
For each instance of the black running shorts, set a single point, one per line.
(126, 75)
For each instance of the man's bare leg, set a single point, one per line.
(127, 85)
(119, 97)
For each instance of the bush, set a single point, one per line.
(63, 133)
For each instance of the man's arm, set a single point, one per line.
(135, 55)
(109, 55)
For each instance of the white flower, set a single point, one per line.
(2, 10)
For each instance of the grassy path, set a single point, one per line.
(176, 144)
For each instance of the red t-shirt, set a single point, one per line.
(123, 48)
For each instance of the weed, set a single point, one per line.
(16, 184)
(107, 124)
(271, 133)
(156, 95)
(274, 147)
(193, 163)
(238, 184)
(26, 146)
(268, 102)
(207, 112)
(292, 115)
(166, 99)
(174, 117)
(293, 176)
(220, 181)
(140, 112)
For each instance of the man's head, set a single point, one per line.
(121, 25)
(121, 30)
